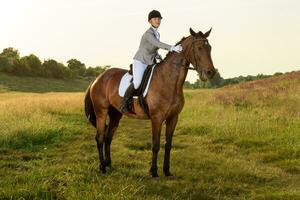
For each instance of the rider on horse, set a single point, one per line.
(146, 55)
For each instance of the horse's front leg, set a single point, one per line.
(170, 128)
(156, 129)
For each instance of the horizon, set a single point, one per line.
(237, 76)
(74, 29)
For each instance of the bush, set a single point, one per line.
(54, 69)
(31, 65)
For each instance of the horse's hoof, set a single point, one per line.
(154, 174)
(102, 169)
(168, 174)
(107, 163)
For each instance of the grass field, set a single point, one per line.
(236, 142)
(9, 83)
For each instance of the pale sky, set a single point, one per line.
(248, 36)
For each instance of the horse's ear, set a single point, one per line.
(207, 33)
(192, 32)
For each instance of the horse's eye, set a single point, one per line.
(199, 48)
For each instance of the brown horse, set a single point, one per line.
(164, 98)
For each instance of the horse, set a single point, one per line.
(165, 98)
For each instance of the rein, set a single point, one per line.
(185, 60)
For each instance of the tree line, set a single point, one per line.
(31, 65)
(219, 81)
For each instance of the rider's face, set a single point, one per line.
(155, 22)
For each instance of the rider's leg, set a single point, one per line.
(125, 107)
(138, 69)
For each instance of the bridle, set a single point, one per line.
(183, 63)
(199, 70)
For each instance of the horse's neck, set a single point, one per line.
(173, 72)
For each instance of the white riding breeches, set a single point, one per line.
(138, 69)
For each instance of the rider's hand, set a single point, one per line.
(158, 57)
(177, 48)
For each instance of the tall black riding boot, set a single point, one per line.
(126, 100)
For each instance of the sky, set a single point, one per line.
(248, 37)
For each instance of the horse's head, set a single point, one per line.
(197, 52)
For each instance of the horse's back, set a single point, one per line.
(106, 85)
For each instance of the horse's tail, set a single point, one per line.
(89, 108)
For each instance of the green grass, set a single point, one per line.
(238, 142)
(10, 82)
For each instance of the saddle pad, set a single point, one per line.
(126, 80)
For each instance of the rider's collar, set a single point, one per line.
(154, 28)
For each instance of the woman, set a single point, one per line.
(146, 55)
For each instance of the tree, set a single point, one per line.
(77, 67)
(10, 53)
(21, 67)
(95, 71)
(7, 59)
(90, 72)
(101, 69)
(34, 64)
(217, 80)
(56, 70)
(187, 84)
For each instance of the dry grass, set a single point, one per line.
(238, 142)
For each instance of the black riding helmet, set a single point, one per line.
(153, 14)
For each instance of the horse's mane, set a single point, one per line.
(169, 53)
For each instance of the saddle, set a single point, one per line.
(140, 90)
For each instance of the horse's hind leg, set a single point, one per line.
(101, 118)
(114, 119)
